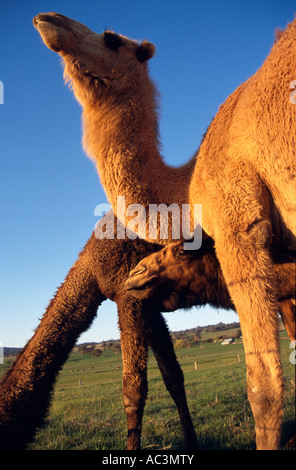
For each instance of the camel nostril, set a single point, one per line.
(36, 20)
(138, 271)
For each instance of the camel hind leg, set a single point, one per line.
(248, 272)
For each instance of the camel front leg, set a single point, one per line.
(248, 272)
(134, 359)
(26, 388)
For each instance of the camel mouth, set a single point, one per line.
(139, 290)
(55, 30)
(140, 283)
(132, 286)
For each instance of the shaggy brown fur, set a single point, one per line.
(183, 278)
(99, 273)
(244, 176)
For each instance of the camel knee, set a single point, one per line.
(134, 404)
(267, 398)
(134, 408)
(134, 392)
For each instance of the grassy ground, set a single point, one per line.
(87, 410)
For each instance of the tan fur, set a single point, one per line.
(244, 176)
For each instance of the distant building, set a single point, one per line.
(227, 341)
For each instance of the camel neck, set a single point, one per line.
(122, 139)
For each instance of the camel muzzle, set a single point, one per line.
(140, 278)
(53, 18)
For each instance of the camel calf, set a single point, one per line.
(179, 277)
(98, 274)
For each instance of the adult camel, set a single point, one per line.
(244, 176)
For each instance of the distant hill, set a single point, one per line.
(202, 331)
(190, 336)
(8, 352)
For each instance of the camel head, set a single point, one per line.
(108, 59)
(151, 275)
(178, 278)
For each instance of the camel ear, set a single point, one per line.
(145, 51)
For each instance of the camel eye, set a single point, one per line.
(112, 41)
(181, 253)
(185, 254)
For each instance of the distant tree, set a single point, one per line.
(83, 350)
(218, 338)
(96, 352)
(183, 343)
(179, 343)
(195, 339)
(116, 347)
(198, 332)
(174, 337)
(211, 329)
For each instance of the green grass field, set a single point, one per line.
(87, 410)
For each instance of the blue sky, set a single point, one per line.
(49, 188)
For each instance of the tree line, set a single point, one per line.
(181, 339)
